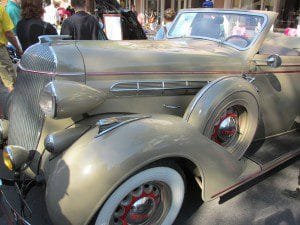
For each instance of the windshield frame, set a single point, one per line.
(236, 12)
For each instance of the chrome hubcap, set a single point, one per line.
(144, 205)
(226, 127)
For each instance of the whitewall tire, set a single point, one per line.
(152, 196)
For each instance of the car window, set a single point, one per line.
(237, 30)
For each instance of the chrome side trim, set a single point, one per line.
(155, 87)
(109, 124)
(53, 38)
(48, 73)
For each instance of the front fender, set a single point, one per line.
(88, 172)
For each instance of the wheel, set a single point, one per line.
(226, 111)
(236, 39)
(153, 196)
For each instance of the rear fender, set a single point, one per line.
(87, 173)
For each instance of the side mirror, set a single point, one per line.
(274, 61)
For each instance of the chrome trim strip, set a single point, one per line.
(213, 72)
(161, 86)
(110, 73)
(50, 73)
(119, 124)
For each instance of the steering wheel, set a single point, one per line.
(239, 36)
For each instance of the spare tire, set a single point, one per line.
(226, 111)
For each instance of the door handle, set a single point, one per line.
(172, 106)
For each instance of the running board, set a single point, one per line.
(284, 148)
(265, 152)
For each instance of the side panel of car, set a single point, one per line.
(85, 175)
(160, 77)
(279, 94)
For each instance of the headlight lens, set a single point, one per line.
(47, 104)
(7, 158)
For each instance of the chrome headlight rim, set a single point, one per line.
(47, 102)
(16, 158)
(7, 156)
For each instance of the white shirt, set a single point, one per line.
(51, 15)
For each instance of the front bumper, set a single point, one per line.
(8, 214)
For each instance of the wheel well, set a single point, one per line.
(189, 169)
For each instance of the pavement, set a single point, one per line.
(260, 202)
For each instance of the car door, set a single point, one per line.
(278, 87)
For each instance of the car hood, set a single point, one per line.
(168, 55)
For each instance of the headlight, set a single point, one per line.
(63, 99)
(7, 158)
(48, 103)
(15, 157)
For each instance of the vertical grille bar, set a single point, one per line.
(25, 114)
(26, 117)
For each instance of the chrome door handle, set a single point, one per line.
(172, 106)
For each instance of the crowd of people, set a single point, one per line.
(31, 18)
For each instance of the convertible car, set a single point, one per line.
(112, 129)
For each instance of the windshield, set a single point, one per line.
(235, 29)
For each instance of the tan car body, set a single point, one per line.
(79, 180)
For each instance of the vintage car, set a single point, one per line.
(113, 128)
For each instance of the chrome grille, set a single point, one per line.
(26, 117)
(39, 57)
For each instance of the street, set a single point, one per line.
(260, 202)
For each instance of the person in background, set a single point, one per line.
(208, 4)
(51, 14)
(6, 67)
(31, 26)
(133, 9)
(141, 19)
(239, 29)
(81, 25)
(13, 9)
(63, 12)
(152, 22)
(169, 16)
(70, 10)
